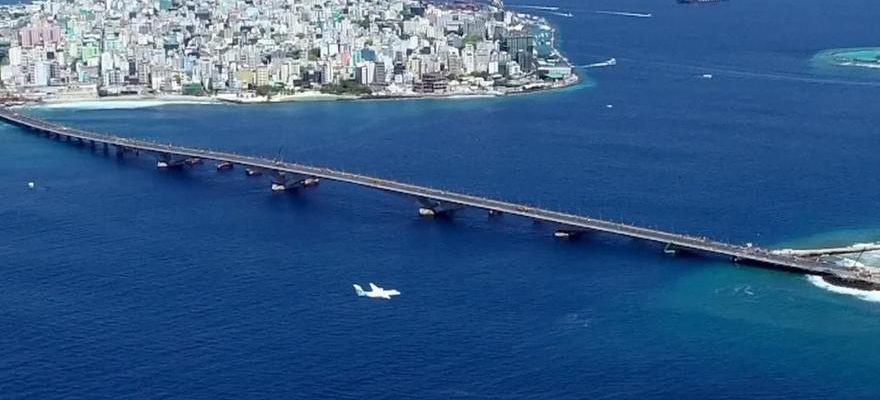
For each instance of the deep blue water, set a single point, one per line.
(120, 281)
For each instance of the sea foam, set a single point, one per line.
(867, 295)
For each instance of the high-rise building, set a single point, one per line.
(453, 65)
(520, 42)
(381, 77)
(262, 76)
(526, 61)
(41, 74)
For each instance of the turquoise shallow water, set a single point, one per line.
(120, 281)
(862, 58)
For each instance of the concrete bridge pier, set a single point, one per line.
(568, 233)
(251, 171)
(433, 208)
(121, 150)
(282, 181)
(168, 161)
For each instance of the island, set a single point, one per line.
(864, 57)
(247, 51)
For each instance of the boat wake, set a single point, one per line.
(531, 7)
(624, 14)
(867, 295)
(607, 63)
(752, 74)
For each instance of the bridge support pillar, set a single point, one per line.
(250, 171)
(568, 234)
(168, 161)
(670, 249)
(431, 208)
(283, 181)
(225, 166)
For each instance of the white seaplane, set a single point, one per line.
(375, 292)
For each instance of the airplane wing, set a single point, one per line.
(374, 287)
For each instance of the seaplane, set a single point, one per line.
(375, 292)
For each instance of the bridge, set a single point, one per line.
(828, 251)
(436, 201)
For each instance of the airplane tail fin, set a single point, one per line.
(359, 290)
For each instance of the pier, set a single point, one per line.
(434, 201)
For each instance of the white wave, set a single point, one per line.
(757, 74)
(118, 104)
(867, 295)
(608, 63)
(850, 263)
(561, 14)
(624, 14)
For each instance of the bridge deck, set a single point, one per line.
(857, 248)
(753, 254)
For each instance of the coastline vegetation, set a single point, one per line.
(347, 88)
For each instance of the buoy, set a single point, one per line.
(609, 106)
(31, 185)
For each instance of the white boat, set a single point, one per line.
(278, 187)
(607, 63)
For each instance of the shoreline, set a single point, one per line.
(850, 57)
(172, 99)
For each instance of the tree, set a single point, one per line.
(364, 23)
(347, 87)
(473, 39)
(267, 91)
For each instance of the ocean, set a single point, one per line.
(120, 281)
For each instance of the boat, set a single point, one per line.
(607, 63)
(224, 165)
(278, 187)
